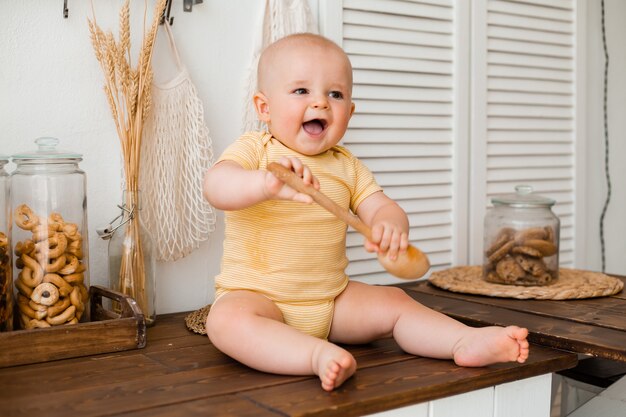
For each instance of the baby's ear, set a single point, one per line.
(262, 107)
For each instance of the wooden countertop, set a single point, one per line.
(595, 326)
(182, 374)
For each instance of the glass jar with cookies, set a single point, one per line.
(6, 281)
(521, 240)
(49, 236)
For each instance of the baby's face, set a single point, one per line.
(308, 90)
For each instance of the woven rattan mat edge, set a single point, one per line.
(196, 320)
(572, 284)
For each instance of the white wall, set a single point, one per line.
(615, 219)
(50, 84)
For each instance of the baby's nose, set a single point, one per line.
(320, 102)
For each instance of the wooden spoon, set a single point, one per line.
(411, 264)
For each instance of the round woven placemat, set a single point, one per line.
(572, 284)
(196, 321)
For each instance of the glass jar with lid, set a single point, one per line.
(6, 273)
(521, 241)
(49, 235)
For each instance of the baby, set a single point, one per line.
(283, 300)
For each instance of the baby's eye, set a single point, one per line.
(300, 91)
(336, 95)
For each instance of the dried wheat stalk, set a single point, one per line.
(128, 91)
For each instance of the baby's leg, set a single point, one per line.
(364, 313)
(249, 328)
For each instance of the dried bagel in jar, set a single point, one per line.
(51, 280)
(49, 225)
(6, 285)
(6, 273)
(521, 240)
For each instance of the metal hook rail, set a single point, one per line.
(187, 7)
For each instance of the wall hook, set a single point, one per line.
(166, 14)
(187, 7)
(188, 4)
(66, 11)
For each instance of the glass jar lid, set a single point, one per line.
(46, 150)
(523, 197)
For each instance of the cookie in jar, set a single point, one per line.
(521, 239)
(50, 263)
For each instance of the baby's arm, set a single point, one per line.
(389, 224)
(228, 186)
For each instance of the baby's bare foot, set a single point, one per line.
(486, 345)
(333, 365)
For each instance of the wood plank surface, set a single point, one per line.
(223, 406)
(600, 312)
(400, 384)
(180, 373)
(592, 326)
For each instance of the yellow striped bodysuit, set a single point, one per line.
(290, 252)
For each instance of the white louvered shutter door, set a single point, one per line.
(403, 128)
(523, 107)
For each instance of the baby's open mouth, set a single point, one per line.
(315, 126)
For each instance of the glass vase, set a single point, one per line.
(132, 258)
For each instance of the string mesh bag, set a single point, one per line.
(176, 152)
(279, 19)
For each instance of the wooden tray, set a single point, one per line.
(106, 332)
